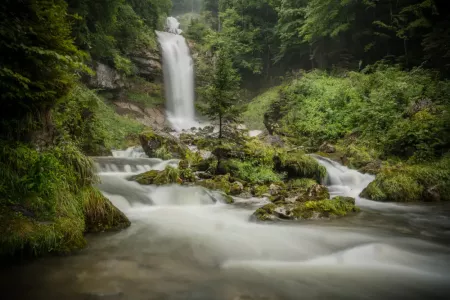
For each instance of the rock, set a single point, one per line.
(148, 64)
(106, 78)
(169, 175)
(327, 148)
(432, 194)
(274, 189)
(317, 192)
(309, 210)
(156, 142)
(151, 117)
(218, 183)
(236, 188)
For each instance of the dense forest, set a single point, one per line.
(363, 82)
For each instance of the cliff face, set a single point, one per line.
(139, 96)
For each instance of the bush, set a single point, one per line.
(392, 111)
(410, 183)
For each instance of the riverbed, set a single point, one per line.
(185, 244)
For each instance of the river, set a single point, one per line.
(183, 244)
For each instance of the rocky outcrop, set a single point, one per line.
(148, 64)
(154, 117)
(106, 78)
(308, 210)
(158, 144)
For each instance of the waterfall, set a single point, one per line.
(178, 71)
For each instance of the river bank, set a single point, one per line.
(184, 245)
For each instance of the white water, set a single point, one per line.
(184, 243)
(178, 70)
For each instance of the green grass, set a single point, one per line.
(253, 117)
(121, 131)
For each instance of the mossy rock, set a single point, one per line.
(299, 165)
(394, 187)
(162, 145)
(219, 183)
(309, 210)
(100, 214)
(169, 175)
(308, 191)
(23, 236)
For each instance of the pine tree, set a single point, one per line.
(221, 96)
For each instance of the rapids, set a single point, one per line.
(184, 243)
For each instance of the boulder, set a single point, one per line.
(155, 143)
(106, 78)
(236, 188)
(309, 210)
(327, 148)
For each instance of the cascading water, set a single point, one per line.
(185, 243)
(178, 70)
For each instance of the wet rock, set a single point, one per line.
(309, 210)
(155, 143)
(236, 188)
(317, 192)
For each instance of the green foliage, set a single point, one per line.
(253, 116)
(409, 106)
(299, 165)
(409, 183)
(38, 63)
(100, 214)
(113, 29)
(169, 175)
(221, 95)
(252, 173)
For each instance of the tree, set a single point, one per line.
(39, 62)
(221, 96)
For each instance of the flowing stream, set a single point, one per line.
(178, 69)
(184, 243)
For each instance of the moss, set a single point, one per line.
(402, 182)
(162, 144)
(228, 199)
(220, 183)
(100, 214)
(23, 236)
(260, 190)
(265, 213)
(397, 188)
(207, 143)
(299, 165)
(168, 176)
(236, 188)
(302, 183)
(337, 207)
(187, 175)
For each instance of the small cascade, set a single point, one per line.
(178, 70)
(342, 181)
(132, 152)
(131, 165)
